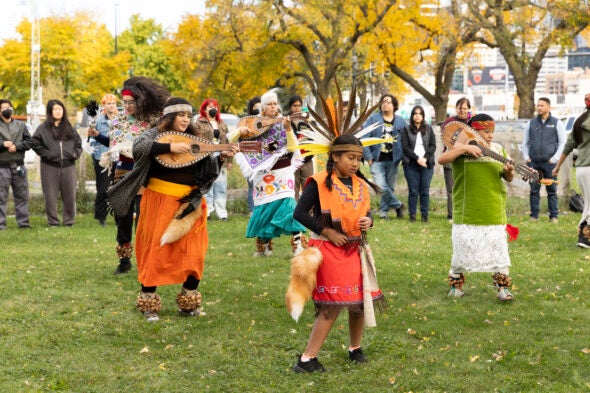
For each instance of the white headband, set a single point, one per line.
(178, 108)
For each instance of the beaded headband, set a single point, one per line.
(178, 108)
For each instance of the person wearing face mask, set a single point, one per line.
(59, 146)
(209, 126)
(579, 139)
(15, 140)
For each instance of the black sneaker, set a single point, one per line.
(582, 241)
(123, 268)
(357, 356)
(400, 211)
(310, 366)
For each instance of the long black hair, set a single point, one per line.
(166, 122)
(413, 127)
(250, 107)
(345, 140)
(64, 130)
(578, 131)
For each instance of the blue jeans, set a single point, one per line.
(418, 179)
(384, 175)
(217, 196)
(535, 197)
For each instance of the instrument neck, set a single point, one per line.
(492, 154)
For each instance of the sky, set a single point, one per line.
(168, 13)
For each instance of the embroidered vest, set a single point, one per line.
(343, 206)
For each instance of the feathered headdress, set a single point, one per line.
(335, 123)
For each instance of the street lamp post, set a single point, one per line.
(116, 7)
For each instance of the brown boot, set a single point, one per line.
(263, 248)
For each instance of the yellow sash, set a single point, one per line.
(168, 188)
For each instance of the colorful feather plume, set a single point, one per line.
(334, 122)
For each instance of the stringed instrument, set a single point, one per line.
(201, 148)
(457, 131)
(256, 125)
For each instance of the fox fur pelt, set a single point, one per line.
(180, 227)
(304, 268)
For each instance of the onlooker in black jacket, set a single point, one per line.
(15, 139)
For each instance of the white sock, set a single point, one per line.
(305, 358)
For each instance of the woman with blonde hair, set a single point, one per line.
(100, 131)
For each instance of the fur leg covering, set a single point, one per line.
(189, 301)
(457, 282)
(263, 248)
(180, 227)
(304, 268)
(501, 280)
(149, 302)
(124, 250)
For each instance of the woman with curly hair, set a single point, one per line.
(143, 100)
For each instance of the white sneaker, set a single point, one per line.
(151, 316)
(266, 253)
(456, 292)
(504, 294)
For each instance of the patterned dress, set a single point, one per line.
(479, 215)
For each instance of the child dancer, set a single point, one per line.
(479, 211)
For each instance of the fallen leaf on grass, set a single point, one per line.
(498, 356)
(411, 331)
(473, 359)
(169, 346)
(162, 366)
(144, 350)
(392, 380)
(586, 350)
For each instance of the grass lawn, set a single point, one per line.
(69, 325)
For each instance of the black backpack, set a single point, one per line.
(576, 202)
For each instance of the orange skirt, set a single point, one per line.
(172, 263)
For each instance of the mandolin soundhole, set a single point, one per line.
(259, 125)
(195, 148)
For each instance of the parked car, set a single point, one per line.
(568, 122)
(228, 118)
(509, 133)
(231, 120)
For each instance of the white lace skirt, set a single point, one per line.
(480, 248)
